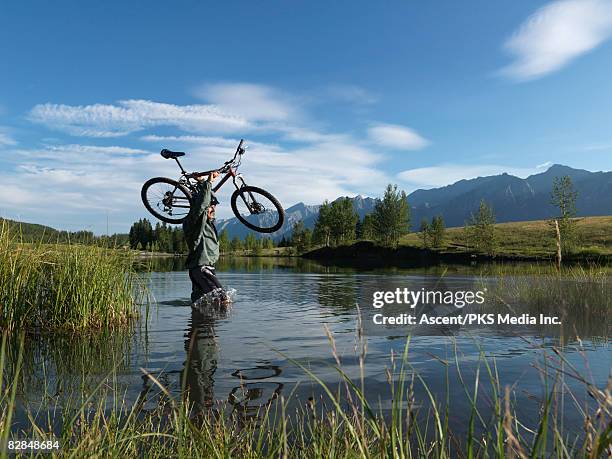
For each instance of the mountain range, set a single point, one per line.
(512, 199)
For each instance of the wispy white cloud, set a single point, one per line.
(190, 139)
(251, 101)
(73, 153)
(446, 174)
(89, 181)
(227, 144)
(97, 149)
(128, 116)
(555, 35)
(396, 137)
(351, 94)
(6, 139)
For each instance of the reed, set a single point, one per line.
(71, 287)
(340, 423)
(579, 293)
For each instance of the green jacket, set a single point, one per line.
(200, 233)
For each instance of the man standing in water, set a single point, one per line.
(203, 242)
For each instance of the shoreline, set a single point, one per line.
(366, 253)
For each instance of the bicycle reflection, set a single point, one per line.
(254, 395)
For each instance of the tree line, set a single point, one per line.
(168, 239)
(339, 224)
(32, 232)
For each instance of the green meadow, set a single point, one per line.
(532, 239)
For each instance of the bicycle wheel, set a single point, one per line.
(167, 199)
(257, 209)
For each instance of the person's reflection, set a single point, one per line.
(201, 364)
(256, 388)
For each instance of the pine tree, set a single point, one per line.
(133, 236)
(224, 241)
(359, 229)
(250, 241)
(236, 244)
(367, 227)
(424, 230)
(258, 247)
(300, 237)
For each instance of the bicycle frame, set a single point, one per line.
(231, 173)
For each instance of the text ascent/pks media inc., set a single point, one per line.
(458, 298)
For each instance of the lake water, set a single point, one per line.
(242, 356)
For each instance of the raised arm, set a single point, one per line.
(201, 200)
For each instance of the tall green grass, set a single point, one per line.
(341, 423)
(47, 287)
(581, 296)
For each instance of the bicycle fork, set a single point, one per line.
(253, 206)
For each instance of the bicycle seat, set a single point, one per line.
(171, 154)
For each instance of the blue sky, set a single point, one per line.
(335, 98)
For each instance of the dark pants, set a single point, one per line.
(203, 281)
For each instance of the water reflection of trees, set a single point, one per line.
(160, 264)
(268, 264)
(338, 293)
(241, 264)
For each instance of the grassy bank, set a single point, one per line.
(51, 287)
(532, 239)
(518, 241)
(340, 422)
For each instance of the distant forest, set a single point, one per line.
(33, 232)
(164, 238)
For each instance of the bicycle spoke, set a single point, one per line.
(254, 205)
(169, 200)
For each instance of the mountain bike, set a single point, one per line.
(170, 200)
